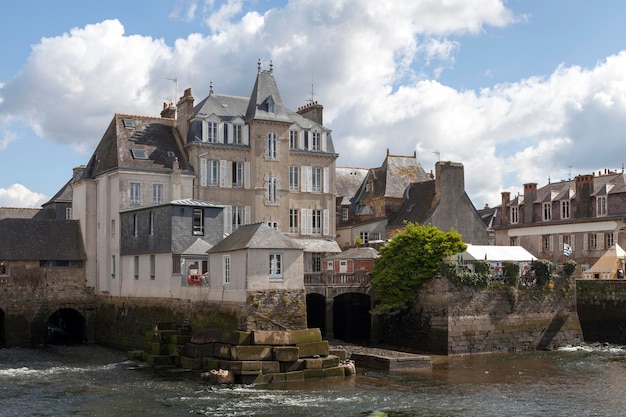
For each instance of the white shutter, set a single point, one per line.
(324, 146)
(246, 215)
(228, 220)
(585, 241)
(246, 135)
(223, 173)
(307, 179)
(326, 224)
(220, 132)
(246, 175)
(541, 248)
(551, 243)
(203, 172)
(560, 248)
(229, 132)
(571, 241)
(302, 179)
(205, 131)
(600, 241)
(325, 180)
(228, 178)
(301, 137)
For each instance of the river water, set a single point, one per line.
(96, 381)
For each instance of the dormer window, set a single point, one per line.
(565, 209)
(270, 104)
(514, 213)
(139, 153)
(601, 209)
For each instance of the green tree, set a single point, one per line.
(411, 257)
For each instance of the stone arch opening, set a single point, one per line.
(3, 341)
(66, 326)
(316, 312)
(351, 317)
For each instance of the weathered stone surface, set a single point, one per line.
(235, 337)
(190, 363)
(313, 373)
(330, 361)
(240, 366)
(277, 377)
(313, 349)
(194, 350)
(313, 363)
(286, 353)
(341, 353)
(270, 367)
(251, 353)
(270, 337)
(135, 355)
(294, 376)
(297, 337)
(180, 339)
(210, 363)
(336, 371)
(221, 350)
(292, 366)
(157, 348)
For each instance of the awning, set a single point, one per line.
(495, 253)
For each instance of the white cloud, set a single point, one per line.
(18, 195)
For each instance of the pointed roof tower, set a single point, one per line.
(265, 101)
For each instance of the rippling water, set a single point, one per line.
(95, 381)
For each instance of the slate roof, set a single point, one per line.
(355, 253)
(153, 135)
(421, 201)
(399, 172)
(348, 181)
(255, 236)
(23, 213)
(44, 240)
(199, 247)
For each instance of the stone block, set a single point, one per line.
(158, 360)
(180, 339)
(335, 371)
(313, 373)
(157, 348)
(206, 336)
(239, 367)
(286, 353)
(235, 337)
(251, 353)
(192, 350)
(277, 377)
(270, 337)
(313, 363)
(270, 367)
(135, 355)
(174, 349)
(297, 337)
(190, 363)
(210, 363)
(164, 336)
(330, 361)
(294, 376)
(312, 349)
(339, 352)
(221, 350)
(250, 379)
(292, 366)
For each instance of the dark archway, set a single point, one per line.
(3, 341)
(66, 327)
(316, 312)
(351, 317)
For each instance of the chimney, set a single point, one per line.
(504, 215)
(584, 190)
(184, 109)
(312, 111)
(449, 180)
(169, 111)
(530, 195)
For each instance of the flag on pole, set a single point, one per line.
(567, 249)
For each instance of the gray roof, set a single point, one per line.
(23, 213)
(356, 253)
(152, 135)
(348, 181)
(199, 247)
(264, 95)
(44, 240)
(420, 204)
(319, 245)
(255, 236)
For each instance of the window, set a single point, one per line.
(139, 154)
(294, 175)
(364, 237)
(152, 267)
(212, 171)
(134, 193)
(514, 215)
(176, 264)
(211, 132)
(316, 179)
(157, 193)
(226, 268)
(593, 241)
(136, 267)
(60, 264)
(129, 123)
(565, 209)
(547, 243)
(152, 222)
(293, 139)
(238, 134)
(374, 236)
(547, 211)
(4, 267)
(237, 217)
(601, 206)
(198, 222)
(271, 145)
(317, 262)
(68, 213)
(514, 241)
(316, 222)
(609, 240)
(345, 214)
(276, 266)
(135, 225)
(112, 266)
(273, 224)
(317, 144)
(272, 189)
(568, 240)
(293, 221)
(237, 174)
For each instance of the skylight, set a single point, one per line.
(129, 123)
(139, 154)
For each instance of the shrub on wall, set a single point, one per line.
(511, 273)
(477, 279)
(569, 267)
(543, 271)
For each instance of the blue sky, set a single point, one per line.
(518, 91)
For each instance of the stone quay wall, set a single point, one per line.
(602, 310)
(451, 319)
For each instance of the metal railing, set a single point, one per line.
(319, 278)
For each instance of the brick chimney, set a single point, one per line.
(312, 111)
(169, 111)
(530, 195)
(504, 215)
(184, 109)
(449, 179)
(584, 190)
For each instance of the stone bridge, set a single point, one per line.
(340, 304)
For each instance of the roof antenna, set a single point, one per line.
(211, 88)
(312, 99)
(175, 81)
(259, 66)
(438, 155)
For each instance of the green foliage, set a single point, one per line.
(411, 257)
(478, 279)
(569, 267)
(543, 271)
(511, 273)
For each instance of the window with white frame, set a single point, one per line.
(273, 224)
(317, 262)
(237, 134)
(272, 190)
(609, 240)
(211, 129)
(272, 144)
(237, 217)
(547, 211)
(213, 167)
(568, 240)
(593, 241)
(601, 209)
(237, 174)
(514, 214)
(135, 193)
(293, 139)
(198, 222)
(316, 144)
(547, 243)
(565, 209)
(68, 213)
(316, 222)
(226, 269)
(293, 221)
(135, 225)
(514, 241)
(276, 266)
(157, 193)
(112, 266)
(294, 176)
(364, 237)
(151, 221)
(316, 179)
(345, 214)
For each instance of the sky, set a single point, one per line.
(518, 91)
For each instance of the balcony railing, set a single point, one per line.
(319, 278)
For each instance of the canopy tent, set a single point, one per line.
(608, 265)
(495, 254)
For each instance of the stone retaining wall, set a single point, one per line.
(602, 310)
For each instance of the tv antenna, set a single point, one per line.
(175, 81)
(438, 155)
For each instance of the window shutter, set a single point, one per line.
(541, 248)
(246, 215)
(203, 172)
(246, 135)
(228, 220)
(307, 179)
(301, 135)
(585, 241)
(600, 241)
(205, 131)
(222, 173)
(326, 224)
(572, 239)
(246, 175)
(220, 132)
(228, 178)
(551, 243)
(324, 146)
(560, 248)
(325, 180)
(229, 132)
